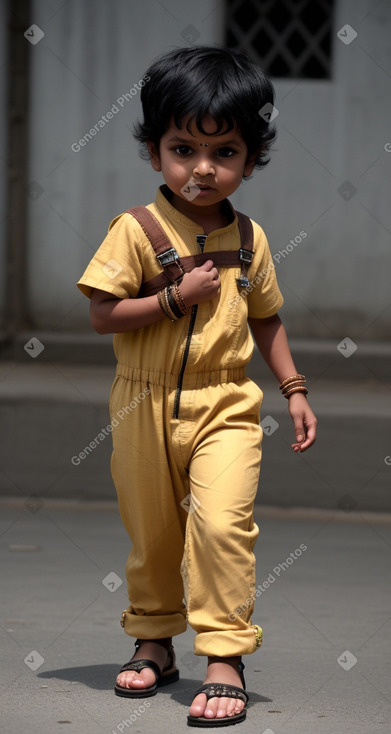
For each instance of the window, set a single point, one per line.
(288, 38)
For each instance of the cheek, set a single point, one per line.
(230, 175)
(175, 170)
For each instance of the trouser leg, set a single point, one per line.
(219, 562)
(149, 488)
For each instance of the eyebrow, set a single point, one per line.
(186, 141)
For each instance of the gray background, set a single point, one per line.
(336, 282)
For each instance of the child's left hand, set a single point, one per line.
(304, 422)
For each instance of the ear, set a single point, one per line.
(249, 165)
(154, 156)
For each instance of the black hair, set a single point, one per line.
(202, 80)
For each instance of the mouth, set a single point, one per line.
(203, 187)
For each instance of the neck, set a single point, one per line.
(208, 217)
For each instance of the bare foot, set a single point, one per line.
(147, 677)
(220, 670)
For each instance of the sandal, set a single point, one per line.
(169, 674)
(222, 689)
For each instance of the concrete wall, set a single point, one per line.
(335, 281)
(3, 156)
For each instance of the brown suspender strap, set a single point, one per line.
(159, 241)
(174, 266)
(246, 231)
(226, 259)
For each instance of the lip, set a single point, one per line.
(204, 187)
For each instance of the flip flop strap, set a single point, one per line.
(221, 689)
(139, 665)
(170, 652)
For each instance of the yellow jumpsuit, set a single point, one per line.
(187, 440)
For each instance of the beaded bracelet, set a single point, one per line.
(179, 299)
(173, 303)
(168, 303)
(300, 388)
(292, 384)
(291, 379)
(164, 305)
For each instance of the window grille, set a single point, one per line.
(288, 38)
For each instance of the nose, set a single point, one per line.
(203, 166)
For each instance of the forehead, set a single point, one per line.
(209, 125)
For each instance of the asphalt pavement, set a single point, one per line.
(324, 666)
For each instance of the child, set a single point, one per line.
(187, 439)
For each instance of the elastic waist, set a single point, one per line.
(190, 379)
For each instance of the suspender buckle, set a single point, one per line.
(246, 256)
(243, 281)
(168, 257)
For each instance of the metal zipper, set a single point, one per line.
(184, 360)
(201, 241)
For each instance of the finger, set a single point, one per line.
(309, 439)
(207, 265)
(300, 429)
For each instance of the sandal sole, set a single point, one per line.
(147, 692)
(201, 721)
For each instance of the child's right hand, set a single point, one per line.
(201, 284)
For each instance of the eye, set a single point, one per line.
(183, 150)
(225, 152)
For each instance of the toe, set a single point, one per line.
(215, 707)
(197, 708)
(131, 679)
(234, 706)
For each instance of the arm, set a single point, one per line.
(271, 339)
(111, 315)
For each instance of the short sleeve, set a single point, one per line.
(117, 265)
(265, 298)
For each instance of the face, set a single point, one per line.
(200, 169)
